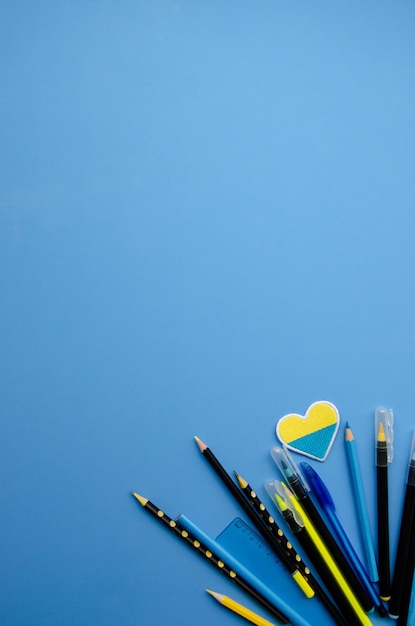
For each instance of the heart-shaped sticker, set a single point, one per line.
(311, 434)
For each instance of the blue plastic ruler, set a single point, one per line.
(248, 547)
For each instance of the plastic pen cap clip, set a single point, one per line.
(384, 431)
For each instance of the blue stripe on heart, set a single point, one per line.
(315, 444)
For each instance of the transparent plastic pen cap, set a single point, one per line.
(271, 489)
(275, 488)
(384, 420)
(287, 465)
(278, 494)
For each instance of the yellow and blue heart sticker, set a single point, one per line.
(311, 434)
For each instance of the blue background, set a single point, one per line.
(206, 222)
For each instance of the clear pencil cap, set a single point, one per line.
(279, 495)
(386, 418)
(286, 464)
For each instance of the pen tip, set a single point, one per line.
(347, 425)
(381, 432)
(282, 505)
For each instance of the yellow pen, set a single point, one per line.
(356, 613)
(240, 609)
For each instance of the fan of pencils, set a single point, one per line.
(325, 566)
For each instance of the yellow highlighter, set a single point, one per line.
(360, 617)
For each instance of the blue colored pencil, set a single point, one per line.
(361, 507)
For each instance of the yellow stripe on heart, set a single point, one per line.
(318, 416)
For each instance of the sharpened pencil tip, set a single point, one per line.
(218, 596)
(202, 446)
(243, 483)
(349, 436)
(141, 500)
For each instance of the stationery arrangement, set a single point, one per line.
(311, 545)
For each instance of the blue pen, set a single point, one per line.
(323, 497)
(240, 569)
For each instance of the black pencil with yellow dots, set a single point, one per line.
(253, 499)
(201, 549)
(258, 505)
(279, 550)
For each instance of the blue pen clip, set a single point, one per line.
(386, 418)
